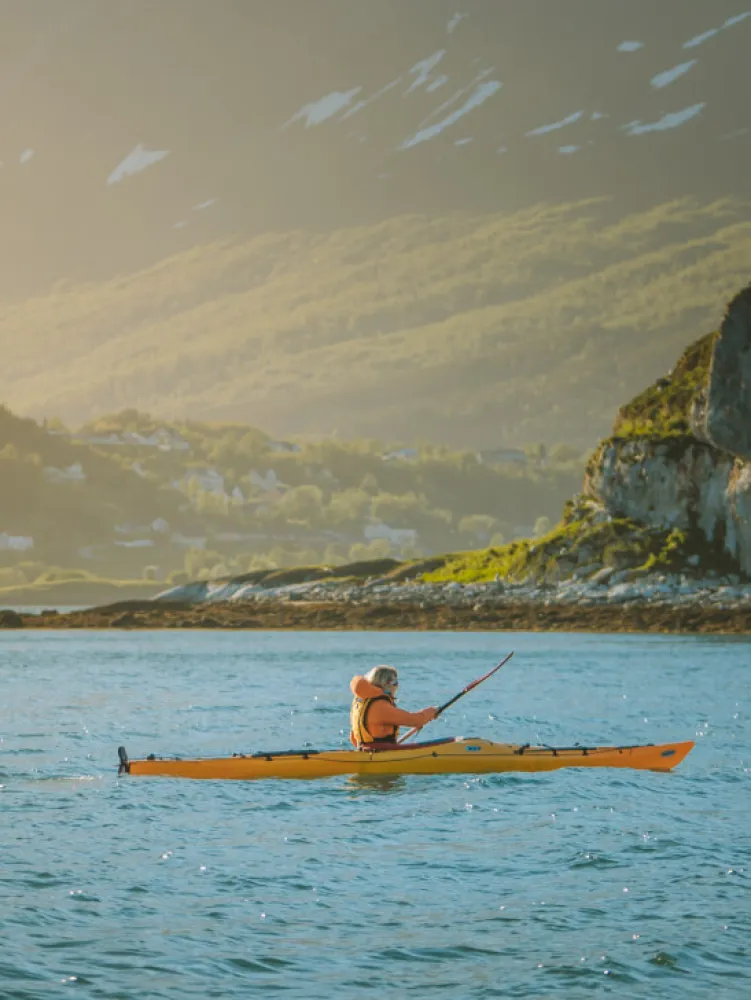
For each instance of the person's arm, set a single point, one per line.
(383, 713)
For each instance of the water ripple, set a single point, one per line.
(557, 886)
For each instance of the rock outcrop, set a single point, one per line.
(722, 411)
(663, 520)
(680, 456)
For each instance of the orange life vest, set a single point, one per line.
(358, 718)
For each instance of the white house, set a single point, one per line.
(397, 536)
(284, 446)
(73, 474)
(401, 454)
(209, 480)
(112, 438)
(198, 542)
(502, 456)
(267, 483)
(163, 439)
(15, 543)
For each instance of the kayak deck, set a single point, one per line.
(449, 756)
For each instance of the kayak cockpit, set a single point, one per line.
(383, 747)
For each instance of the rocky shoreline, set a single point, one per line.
(608, 604)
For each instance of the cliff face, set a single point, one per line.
(680, 457)
(721, 413)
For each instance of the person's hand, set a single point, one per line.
(429, 714)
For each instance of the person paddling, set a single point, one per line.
(374, 716)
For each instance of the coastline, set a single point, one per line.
(636, 617)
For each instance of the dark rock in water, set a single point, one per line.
(723, 414)
(10, 619)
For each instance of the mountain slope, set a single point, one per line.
(132, 131)
(467, 330)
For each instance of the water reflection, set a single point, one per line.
(379, 784)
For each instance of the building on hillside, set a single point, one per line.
(396, 536)
(401, 455)
(15, 543)
(186, 542)
(209, 480)
(285, 447)
(164, 439)
(132, 529)
(268, 483)
(73, 474)
(111, 439)
(136, 543)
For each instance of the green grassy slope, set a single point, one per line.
(477, 331)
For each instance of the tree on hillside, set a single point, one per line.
(348, 506)
(303, 503)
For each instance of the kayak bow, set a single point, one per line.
(447, 756)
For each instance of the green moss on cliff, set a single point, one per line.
(664, 408)
(583, 545)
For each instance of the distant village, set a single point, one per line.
(278, 509)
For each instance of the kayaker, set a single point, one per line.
(374, 716)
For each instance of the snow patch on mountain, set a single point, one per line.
(359, 105)
(438, 82)
(569, 120)
(735, 134)
(480, 95)
(692, 43)
(205, 204)
(671, 120)
(737, 19)
(630, 46)
(454, 23)
(669, 75)
(324, 108)
(455, 97)
(25, 156)
(422, 70)
(137, 160)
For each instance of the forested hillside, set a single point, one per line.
(467, 331)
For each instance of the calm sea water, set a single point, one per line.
(566, 885)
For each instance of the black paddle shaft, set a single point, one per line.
(461, 694)
(474, 684)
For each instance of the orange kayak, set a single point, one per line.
(447, 756)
